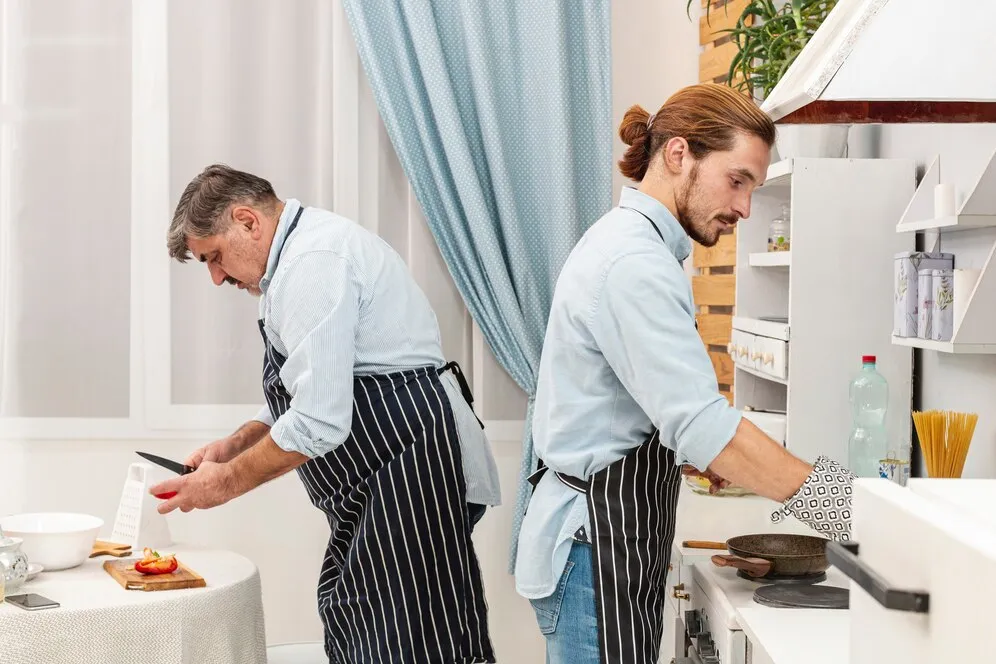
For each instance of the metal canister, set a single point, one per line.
(925, 303)
(942, 288)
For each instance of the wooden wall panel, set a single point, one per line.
(714, 289)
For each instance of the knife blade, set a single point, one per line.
(176, 467)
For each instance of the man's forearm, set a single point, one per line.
(248, 435)
(756, 462)
(261, 463)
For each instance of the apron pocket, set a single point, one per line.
(548, 608)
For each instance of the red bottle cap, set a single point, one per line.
(868, 359)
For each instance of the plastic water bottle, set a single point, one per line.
(869, 394)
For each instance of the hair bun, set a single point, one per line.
(633, 130)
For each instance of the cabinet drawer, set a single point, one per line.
(742, 348)
(773, 357)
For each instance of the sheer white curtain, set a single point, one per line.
(249, 85)
(86, 87)
(65, 172)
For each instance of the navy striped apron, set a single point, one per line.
(400, 581)
(632, 505)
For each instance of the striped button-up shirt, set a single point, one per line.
(621, 356)
(341, 302)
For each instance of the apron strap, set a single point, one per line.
(659, 234)
(468, 396)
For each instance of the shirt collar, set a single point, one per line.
(291, 207)
(675, 236)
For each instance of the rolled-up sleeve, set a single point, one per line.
(643, 322)
(314, 312)
(264, 416)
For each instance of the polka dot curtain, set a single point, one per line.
(501, 115)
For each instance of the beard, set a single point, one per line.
(252, 261)
(693, 215)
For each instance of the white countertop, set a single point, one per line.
(796, 636)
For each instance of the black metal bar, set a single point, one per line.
(844, 556)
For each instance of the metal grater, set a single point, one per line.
(137, 522)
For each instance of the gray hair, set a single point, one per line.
(201, 210)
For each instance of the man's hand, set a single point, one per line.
(212, 484)
(220, 451)
(716, 482)
(229, 447)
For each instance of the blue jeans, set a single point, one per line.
(567, 618)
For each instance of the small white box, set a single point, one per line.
(907, 265)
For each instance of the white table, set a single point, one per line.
(99, 622)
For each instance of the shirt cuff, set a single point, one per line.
(293, 432)
(701, 441)
(264, 416)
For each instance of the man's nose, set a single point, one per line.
(217, 274)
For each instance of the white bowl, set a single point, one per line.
(55, 540)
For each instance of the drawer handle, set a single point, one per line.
(731, 348)
(769, 359)
(677, 593)
(742, 350)
(754, 355)
(844, 556)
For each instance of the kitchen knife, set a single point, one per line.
(177, 468)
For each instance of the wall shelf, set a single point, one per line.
(976, 331)
(945, 346)
(779, 174)
(977, 211)
(770, 259)
(761, 374)
(837, 207)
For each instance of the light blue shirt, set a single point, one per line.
(341, 302)
(621, 356)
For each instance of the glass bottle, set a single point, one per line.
(780, 232)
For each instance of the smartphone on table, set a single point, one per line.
(32, 602)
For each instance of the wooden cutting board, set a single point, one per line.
(102, 548)
(123, 571)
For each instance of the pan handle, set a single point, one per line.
(754, 566)
(699, 544)
(844, 556)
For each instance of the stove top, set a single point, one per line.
(728, 592)
(801, 580)
(803, 597)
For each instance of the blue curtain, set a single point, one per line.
(501, 115)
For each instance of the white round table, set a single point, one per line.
(99, 622)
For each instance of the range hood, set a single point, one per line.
(893, 61)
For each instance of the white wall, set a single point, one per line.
(655, 52)
(951, 382)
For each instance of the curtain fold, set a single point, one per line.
(502, 120)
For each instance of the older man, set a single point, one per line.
(360, 406)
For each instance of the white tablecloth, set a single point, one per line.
(99, 622)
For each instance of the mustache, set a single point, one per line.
(728, 218)
(231, 282)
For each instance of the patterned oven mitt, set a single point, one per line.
(823, 502)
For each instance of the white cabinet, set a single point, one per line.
(805, 317)
(929, 551)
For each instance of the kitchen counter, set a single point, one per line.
(796, 636)
(780, 636)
